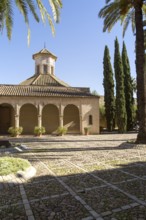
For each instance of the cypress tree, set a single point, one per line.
(128, 87)
(108, 84)
(120, 95)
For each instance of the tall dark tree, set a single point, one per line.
(108, 84)
(128, 87)
(131, 11)
(120, 95)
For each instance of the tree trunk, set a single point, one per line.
(141, 138)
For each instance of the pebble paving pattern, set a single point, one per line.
(78, 178)
(63, 207)
(6, 199)
(13, 212)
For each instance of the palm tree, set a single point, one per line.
(131, 11)
(26, 7)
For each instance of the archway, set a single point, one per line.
(28, 118)
(6, 117)
(71, 118)
(50, 118)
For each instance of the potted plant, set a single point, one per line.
(38, 131)
(15, 131)
(61, 131)
(86, 130)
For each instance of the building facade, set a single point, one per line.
(45, 100)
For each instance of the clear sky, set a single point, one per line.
(79, 45)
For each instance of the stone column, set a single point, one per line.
(40, 116)
(39, 120)
(17, 110)
(16, 121)
(61, 109)
(81, 124)
(61, 121)
(81, 120)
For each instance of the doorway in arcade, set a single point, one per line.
(6, 118)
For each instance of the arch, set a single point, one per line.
(7, 118)
(28, 118)
(50, 118)
(71, 118)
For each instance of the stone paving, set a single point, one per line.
(78, 178)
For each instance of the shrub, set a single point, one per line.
(86, 130)
(10, 165)
(61, 130)
(15, 131)
(39, 130)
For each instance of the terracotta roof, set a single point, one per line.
(44, 52)
(43, 91)
(44, 80)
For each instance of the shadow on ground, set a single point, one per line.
(67, 188)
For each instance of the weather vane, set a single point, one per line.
(44, 45)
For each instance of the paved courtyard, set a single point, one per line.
(78, 178)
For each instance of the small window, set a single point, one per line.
(38, 69)
(52, 70)
(45, 69)
(90, 120)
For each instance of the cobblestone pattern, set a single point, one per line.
(78, 177)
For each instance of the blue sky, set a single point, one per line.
(79, 45)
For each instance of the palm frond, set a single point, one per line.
(55, 7)
(111, 14)
(107, 1)
(110, 21)
(59, 2)
(144, 8)
(8, 17)
(126, 19)
(133, 21)
(2, 9)
(51, 23)
(45, 14)
(28, 35)
(33, 9)
(22, 6)
(26, 7)
(42, 9)
(117, 10)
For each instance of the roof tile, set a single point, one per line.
(43, 91)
